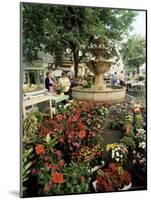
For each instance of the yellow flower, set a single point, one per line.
(111, 146)
(100, 172)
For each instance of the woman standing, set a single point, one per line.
(49, 83)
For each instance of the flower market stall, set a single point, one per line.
(67, 154)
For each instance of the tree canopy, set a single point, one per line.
(134, 52)
(54, 28)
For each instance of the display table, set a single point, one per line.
(58, 98)
(31, 101)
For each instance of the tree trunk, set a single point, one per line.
(137, 70)
(76, 61)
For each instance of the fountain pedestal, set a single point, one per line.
(99, 82)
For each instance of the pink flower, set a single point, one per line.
(134, 161)
(69, 141)
(58, 117)
(70, 136)
(52, 150)
(141, 162)
(54, 167)
(49, 166)
(77, 144)
(61, 162)
(61, 140)
(34, 171)
(59, 154)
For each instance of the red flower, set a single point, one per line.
(81, 126)
(40, 149)
(61, 162)
(57, 178)
(113, 167)
(59, 117)
(82, 134)
(59, 154)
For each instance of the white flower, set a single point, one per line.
(117, 159)
(142, 145)
(117, 154)
(113, 154)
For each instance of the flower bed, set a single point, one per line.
(60, 153)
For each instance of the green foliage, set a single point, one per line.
(77, 178)
(55, 28)
(26, 165)
(129, 141)
(30, 128)
(138, 120)
(133, 51)
(88, 84)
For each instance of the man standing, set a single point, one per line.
(122, 78)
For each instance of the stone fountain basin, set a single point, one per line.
(107, 96)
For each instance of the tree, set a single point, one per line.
(56, 28)
(133, 52)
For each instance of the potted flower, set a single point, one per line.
(112, 178)
(59, 89)
(90, 155)
(119, 152)
(139, 155)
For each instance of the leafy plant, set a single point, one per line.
(77, 178)
(30, 128)
(27, 157)
(112, 178)
(120, 116)
(138, 121)
(129, 142)
(59, 89)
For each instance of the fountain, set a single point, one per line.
(99, 92)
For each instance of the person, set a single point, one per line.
(49, 82)
(65, 82)
(114, 79)
(122, 78)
